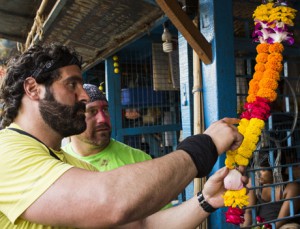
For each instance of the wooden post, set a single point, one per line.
(198, 111)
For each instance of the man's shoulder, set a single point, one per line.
(67, 148)
(116, 145)
(11, 138)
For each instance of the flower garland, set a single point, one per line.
(272, 22)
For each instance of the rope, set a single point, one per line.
(37, 27)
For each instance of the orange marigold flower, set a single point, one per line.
(276, 66)
(259, 67)
(271, 74)
(262, 48)
(261, 58)
(253, 87)
(275, 57)
(258, 75)
(276, 47)
(267, 93)
(251, 98)
(268, 83)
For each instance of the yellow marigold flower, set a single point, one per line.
(231, 152)
(275, 17)
(288, 15)
(262, 48)
(236, 198)
(269, 94)
(244, 122)
(243, 125)
(240, 160)
(258, 123)
(252, 137)
(249, 143)
(229, 161)
(241, 202)
(246, 152)
(261, 58)
(271, 74)
(282, 13)
(287, 9)
(254, 128)
(287, 21)
(275, 57)
(274, 10)
(259, 67)
(262, 11)
(276, 66)
(276, 47)
(268, 83)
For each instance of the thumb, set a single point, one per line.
(220, 174)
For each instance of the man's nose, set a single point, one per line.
(101, 116)
(83, 96)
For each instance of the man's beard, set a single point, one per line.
(64, 119)
(100, 139)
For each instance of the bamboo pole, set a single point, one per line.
(37, 26)
(198, 111)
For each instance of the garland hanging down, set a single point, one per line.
(273, 21)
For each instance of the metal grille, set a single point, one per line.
(150, 106)
(280, 137)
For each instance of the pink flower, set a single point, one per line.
(233, 180)
(258, 109)
(235, 216)
(260, 219)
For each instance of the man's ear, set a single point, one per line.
(31, 88)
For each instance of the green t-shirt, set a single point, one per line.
(115, 155)
(27, 170)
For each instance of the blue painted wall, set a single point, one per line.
(186, 97)
(219, 85)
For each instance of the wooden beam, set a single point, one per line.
(186, 27)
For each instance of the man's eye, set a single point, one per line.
(72, 85)
(105, 110)
(92, 111)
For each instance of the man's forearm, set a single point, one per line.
(113, 198)
(187, 215)
(159, 186)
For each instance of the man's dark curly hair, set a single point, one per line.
(40, 62)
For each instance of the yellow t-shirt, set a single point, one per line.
(27, 170)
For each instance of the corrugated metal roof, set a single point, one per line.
(98, 28)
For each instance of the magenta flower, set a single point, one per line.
(272, 32)
(235, 215)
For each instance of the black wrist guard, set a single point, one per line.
(202, 150)
(206, 206)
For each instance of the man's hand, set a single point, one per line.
(214, 189)
(225, 135)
